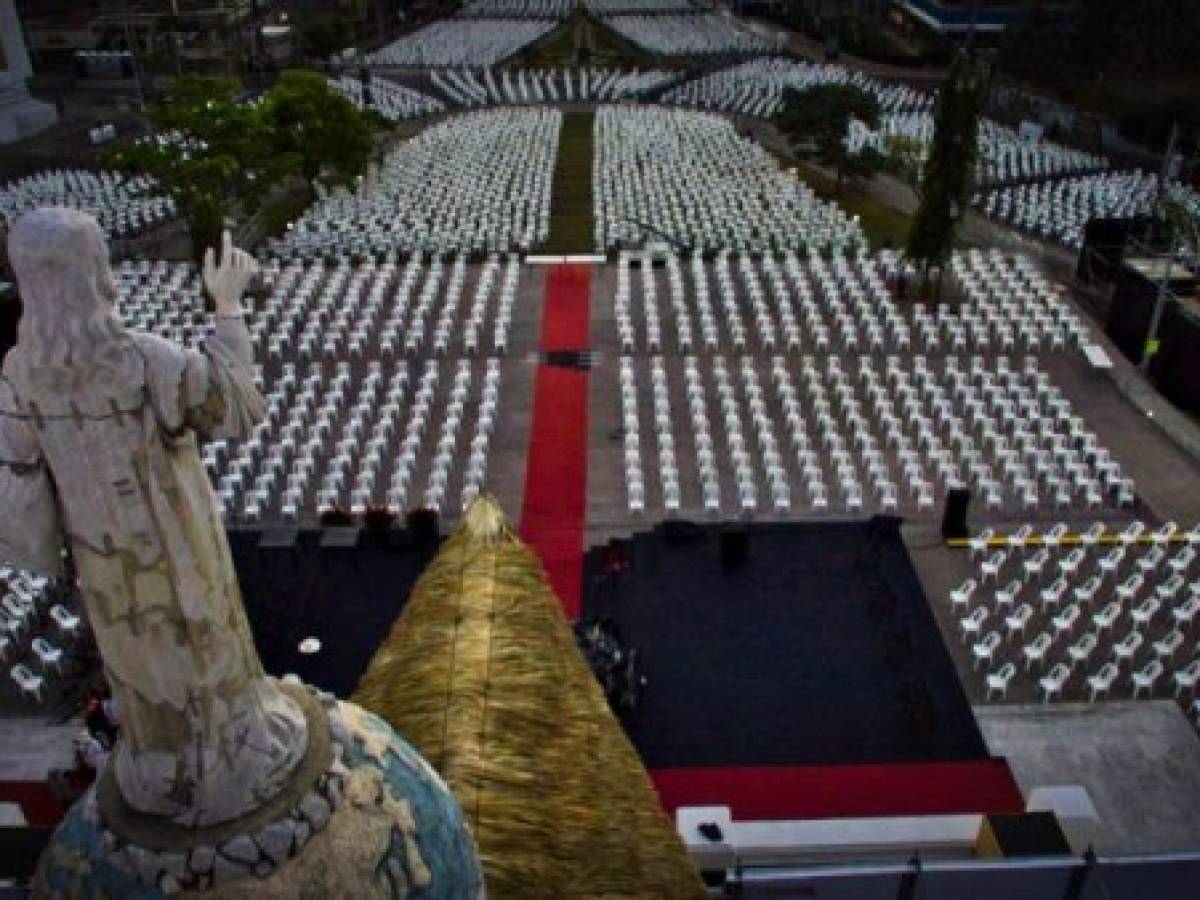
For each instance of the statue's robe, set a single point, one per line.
(206, 735)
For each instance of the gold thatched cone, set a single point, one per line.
(481, 674)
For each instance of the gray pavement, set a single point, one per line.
(1139, 762)
(607, 514)
(30, 747)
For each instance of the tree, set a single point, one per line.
(219, 157)
(949, 172)
(817, 121)
(319, 127)
(906, 156)
(215, 156)
(322, 38)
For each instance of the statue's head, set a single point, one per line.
(69, 332)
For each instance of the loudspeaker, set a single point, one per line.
(954, 521)
(423, 524)
(1024, 834)
(378, 524)
(674, 530)
(735, 546)
(336, 517)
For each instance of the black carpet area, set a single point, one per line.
(820, 649)
(347, 597)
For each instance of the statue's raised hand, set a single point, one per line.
(227, 282)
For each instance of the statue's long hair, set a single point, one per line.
(70, 338)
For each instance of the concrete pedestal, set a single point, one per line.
(20, 115)
(1073, 807)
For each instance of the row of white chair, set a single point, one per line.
(757, 87)
(1004, 155)
(335, 441)
(797, 303)
(518, 9)
(390, 99)
(1060, 209)
(616, 7)
(703, 34)
(30, 606)
(478, 182)
(462, 42)
(1083, 585)
(692, 178)
(470, 87)
(125, 206)
(369, 309)
(903, 436)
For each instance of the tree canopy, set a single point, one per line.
(322, 129)
(817, 120)
(218, 155)
(949, 172)
(322, 38)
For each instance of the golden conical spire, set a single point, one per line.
(485, 522)
(482, 675)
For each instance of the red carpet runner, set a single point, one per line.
(852, 791)
(552, 516)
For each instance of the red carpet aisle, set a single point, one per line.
(826, 792)
(555, 504)
(565, 313)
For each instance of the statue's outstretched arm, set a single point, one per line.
(215, 394)
(225, 403)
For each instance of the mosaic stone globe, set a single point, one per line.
(382, 823)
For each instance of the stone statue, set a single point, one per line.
(98, 452)
(113, 418)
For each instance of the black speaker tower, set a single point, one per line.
(954, 522)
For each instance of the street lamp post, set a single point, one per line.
(137, 69)
(972, 26)
(1160, 299)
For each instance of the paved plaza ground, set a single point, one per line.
(1139, 762)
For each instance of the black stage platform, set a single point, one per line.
(343, 586)
(819, 649)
